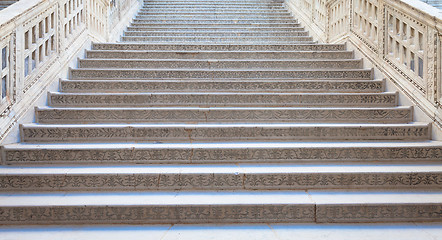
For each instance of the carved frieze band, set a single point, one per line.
(220, 133)
(379, 213)
(235, 155)
(280, 86)
(399, 115)
(245, 213)
(220, 181)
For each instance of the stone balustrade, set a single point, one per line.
(401, 38)
(40, 38)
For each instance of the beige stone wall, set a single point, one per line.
(400, 38)
(40, 39)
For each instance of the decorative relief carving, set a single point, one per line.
(219, 181)
(213, 114)
(225, 213)
(209, 74)
(280, 86)
(221, 133)
(200, 155)
(223, 100)
(378, 213)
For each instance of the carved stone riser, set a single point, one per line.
(217, 13)
(218, 4)
(244, 11)
(217, 39)
(78, 74)
(217, 34)
(216, 133)
(193, 6)
(158, 214)
(231, 29)
(218, 55)
(223, 100)
(221, 64)
(138, 155)
(128, 115)
(164, 25)
(219, 181)
(231, 17)
(214, 21)
(219, 47)
(202, 214)
(221, 86)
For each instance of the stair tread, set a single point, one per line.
(218, 198)
(236, 169)
(224, 145)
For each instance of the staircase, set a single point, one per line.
(221, 112)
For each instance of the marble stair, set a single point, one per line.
(221, 112)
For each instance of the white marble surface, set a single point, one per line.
(231, 232)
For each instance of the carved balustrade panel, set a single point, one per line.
(72, 20)
(402, 39)
(7, 74)
(405, 46)
(338, 19)
(38, 38)
(40, 43)
(98, 17)
(366, 22)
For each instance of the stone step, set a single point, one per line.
(223, 132)
(261, 64)
(189, 25)
(240, 13)
(214, 21)
(218, 47)
(380, 152)
(211, 4)
(218, 39)
(90, 73)
(216, 9)
(227, 34)
(220, 178)
(211, 1)
(235, 85)
(226, 2)
(277, 55)
(224, 115)
(184, 29)
(219, 207)
(237, 231)
(217, 99)
(232, 18)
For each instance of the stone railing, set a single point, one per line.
(39, 39)
(401, 38)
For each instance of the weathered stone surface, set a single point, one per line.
(221, 64)
(219, 85)
(222, 181)
(87, 73)
(227, 104)
(219, 114)
(222, 132)
(219, 153)
(223, 99)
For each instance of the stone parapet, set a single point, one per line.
(401, 38)
(40, 38)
